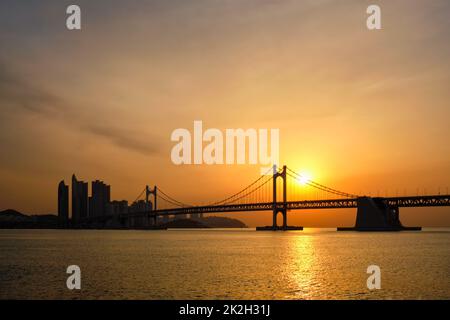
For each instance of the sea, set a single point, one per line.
(225, 264)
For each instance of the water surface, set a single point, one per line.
(224, 264)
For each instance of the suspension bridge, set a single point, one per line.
(279, 191)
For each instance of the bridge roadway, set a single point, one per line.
(412, 201)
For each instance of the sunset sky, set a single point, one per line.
(362, 111)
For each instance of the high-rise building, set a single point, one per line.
(117, 207)
(84, 200)
(101, 197)
(63, 202)
(140, 206)
(90, 207)
(79, 199)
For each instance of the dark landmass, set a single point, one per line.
(208, 222)
(223, 222)
(12, 219)
(184, 223)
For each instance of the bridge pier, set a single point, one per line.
(275, 214)
(375, 214)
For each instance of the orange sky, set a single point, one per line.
(362, 111)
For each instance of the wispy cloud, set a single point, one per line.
(16, 92)
(18, 95)
(127, 139)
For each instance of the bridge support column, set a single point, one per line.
(275, 213)
(279, 207)
(274, 219)
(149, 192)
(152, 206)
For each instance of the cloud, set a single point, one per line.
(18, 95)
(124, 138)
(17, 92)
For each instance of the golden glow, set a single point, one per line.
(340, 107)
(304, 178)
(302, 259)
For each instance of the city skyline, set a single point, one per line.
(296, 192)
(359, 110)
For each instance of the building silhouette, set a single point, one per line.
(101, 197)
(140, 206)
(79, 199)
(63, 202)
(97, 204)
(117, 207)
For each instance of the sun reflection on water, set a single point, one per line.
(301, 253)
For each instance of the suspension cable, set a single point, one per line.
(243, 190)
(326, 189)
(174, 200)
(250, 192)
(169, 201)
(139, 196)
(322, 187)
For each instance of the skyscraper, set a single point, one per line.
(79, 199)
(101, 196)
(63, 202)
(84, 200)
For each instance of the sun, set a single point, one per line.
(304, 178)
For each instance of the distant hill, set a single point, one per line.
(208, 222)
(184, 223)
(12, 219)
(223, 222)
(13, 215)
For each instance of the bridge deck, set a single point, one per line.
(414, 201)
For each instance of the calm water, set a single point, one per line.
(224, 264)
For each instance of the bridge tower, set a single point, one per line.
(283, 208)
(153, 192)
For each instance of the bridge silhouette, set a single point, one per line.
(281, 191)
